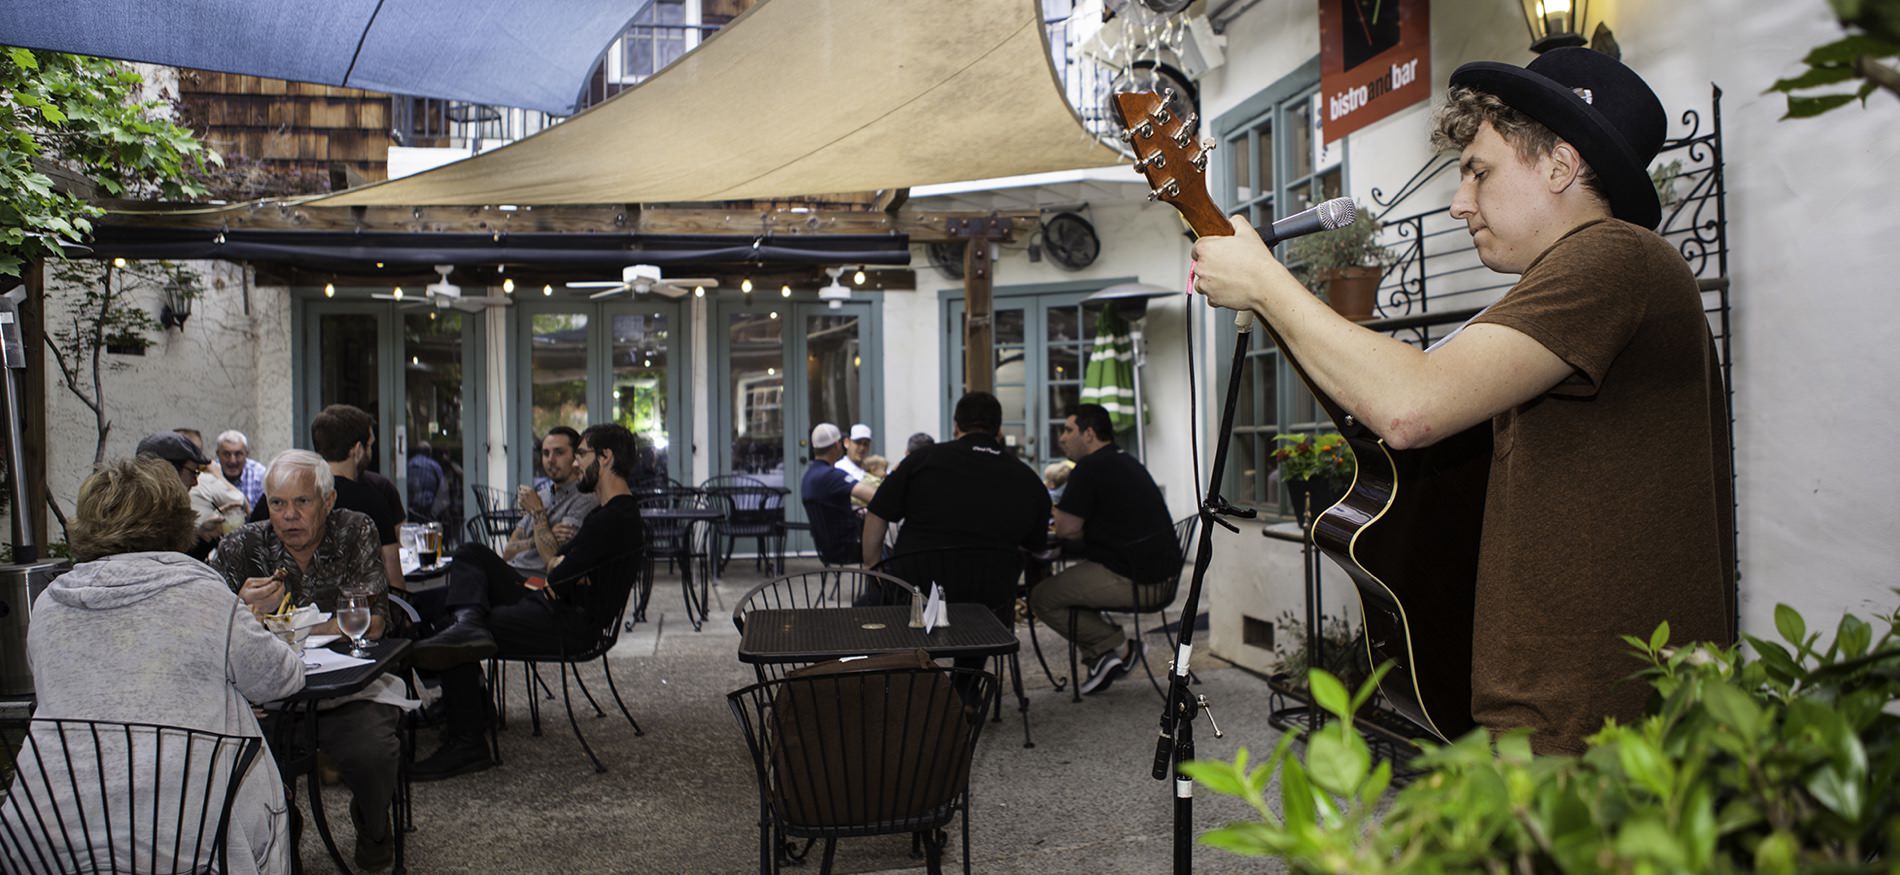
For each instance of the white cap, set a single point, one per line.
(860, 432)
(824, 435)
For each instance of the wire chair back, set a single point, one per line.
(728, 481)
(100, 796)
(496, 516)
(861, 753)
(751, 511)
(985, 575)
(828, 588)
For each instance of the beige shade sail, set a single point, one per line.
(797, 97)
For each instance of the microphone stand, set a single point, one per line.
(1176, 744)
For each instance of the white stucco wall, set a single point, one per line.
(1809, 218)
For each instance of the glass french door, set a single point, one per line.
(410, 368)
(580, 363)
(785, 366)
(1041, 345)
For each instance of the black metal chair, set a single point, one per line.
(100, 796)
(984, 575)
(496, 516)
(829, 588)
(863, 753)
(620, 577)
(679, 541)
(1156, 603)
(755, 511)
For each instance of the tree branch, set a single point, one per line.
(1867, 67)
(98, 377)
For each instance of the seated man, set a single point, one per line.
(345, 437)
(238, 468)
(827, 492)
(1114, 506)
(314, 550)
(494, 613)
(177, 450)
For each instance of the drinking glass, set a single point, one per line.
(352, 619)
(429, 546)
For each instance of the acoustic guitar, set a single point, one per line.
(1407, 530)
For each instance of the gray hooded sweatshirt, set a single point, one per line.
(159, 638)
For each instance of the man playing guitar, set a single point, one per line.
(1609, 506)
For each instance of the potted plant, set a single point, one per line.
(1315, 469)
(1343, 266)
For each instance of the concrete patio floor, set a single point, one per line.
(682, 798)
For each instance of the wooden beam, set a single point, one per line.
(922, 226)
(33, 401)
(979, 357)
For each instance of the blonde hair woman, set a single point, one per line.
(138, 632)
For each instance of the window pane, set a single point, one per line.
(349, 364)
(756, 346)
(639, 393)
(832, 364)
(1244, 415)
(1240, 166)
(1009, 326)
(557, 372)
(1269, 410)
(1063, 400)
(1246, 467)
(1064, 324)
(1330, 185)
(432, 379)
(1299, 140)
(1263, 157)
(1065, 362)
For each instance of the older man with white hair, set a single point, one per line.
(238, 468)
(314, 550)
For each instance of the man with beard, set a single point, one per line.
(495, 609)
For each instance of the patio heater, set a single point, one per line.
(1132, 298)
(22, 581)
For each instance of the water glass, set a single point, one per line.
(352, 619)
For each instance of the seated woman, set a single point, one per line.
(140, 633)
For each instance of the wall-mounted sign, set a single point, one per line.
(1375, 58)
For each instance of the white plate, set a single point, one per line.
(316, 641)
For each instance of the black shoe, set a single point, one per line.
(1102, 672)
(373, 853)
(468, 640)
(456, 756)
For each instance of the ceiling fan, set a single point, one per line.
(444, 294)
(643, 278)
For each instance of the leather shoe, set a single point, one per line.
(456, 756)
(467, 640)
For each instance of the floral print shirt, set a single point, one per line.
(349, 556)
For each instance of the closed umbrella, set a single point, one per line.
(1109, 379)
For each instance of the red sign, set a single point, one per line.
(1375, 58)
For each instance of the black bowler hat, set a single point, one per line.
(1596, 104)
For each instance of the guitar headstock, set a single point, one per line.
(1172, 160)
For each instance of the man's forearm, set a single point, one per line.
(872, 549)
(544, 538)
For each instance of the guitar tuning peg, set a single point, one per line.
(1160, 113)
(1154, 159)
(1165, 190)
(1167, 94)
(1127, 135)
(1145, 130)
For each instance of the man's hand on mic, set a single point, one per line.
(1236, 272)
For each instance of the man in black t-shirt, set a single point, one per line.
(496, 612)
(968, 492)
(1112, 504)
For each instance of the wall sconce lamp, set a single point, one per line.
(1555, 24)
(177, 305)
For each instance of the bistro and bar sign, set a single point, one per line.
(1375, 58)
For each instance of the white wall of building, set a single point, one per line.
(1810, 221)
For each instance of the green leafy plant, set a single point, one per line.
(1357, 245)
(80, 118)
(1866, 54)
(1786, 762)
(1313, 457)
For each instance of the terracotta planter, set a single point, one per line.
(1352, 291)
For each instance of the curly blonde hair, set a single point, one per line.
(1456, 122)
(131, 506)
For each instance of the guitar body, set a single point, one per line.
(1407, 531)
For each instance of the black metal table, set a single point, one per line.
(687, 518)
(778, 636)
(387, 654)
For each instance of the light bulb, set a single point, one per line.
(547, 291)
(379, 265)
(508, 285)
(649, 363)
(431, 315)
(416, 359)
(398, 293)
(699, 291)
(785, 291)
(775, 314)
(329, 290)
(745, 285)
(118, 262)
(771, 372)
(858, 278)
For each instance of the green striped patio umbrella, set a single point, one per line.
(1109, 379)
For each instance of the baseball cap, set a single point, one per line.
(172, 447)
(824, 435)
(860, 432)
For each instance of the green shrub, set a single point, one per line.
(1787, 762)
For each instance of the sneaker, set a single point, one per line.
(1137, 650)
(1102, 672)
(455, 757)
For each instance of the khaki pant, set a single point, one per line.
(1092, 585)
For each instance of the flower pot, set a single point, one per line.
(1352, 291)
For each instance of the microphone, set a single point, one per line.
(1336, 213)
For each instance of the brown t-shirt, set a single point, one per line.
(1609, 508)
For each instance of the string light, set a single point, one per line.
(329, 290)
(771, 372)
(745, 285)
(398, 293)
(508, 285)
(547, 291)
(775, 314)
(379, 265)
(118, 262)
(858, 278)
(699, 291)
(785, 291)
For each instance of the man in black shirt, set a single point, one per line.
(496, 611)
(969, 492)
(1112, 504)
(345, 437)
